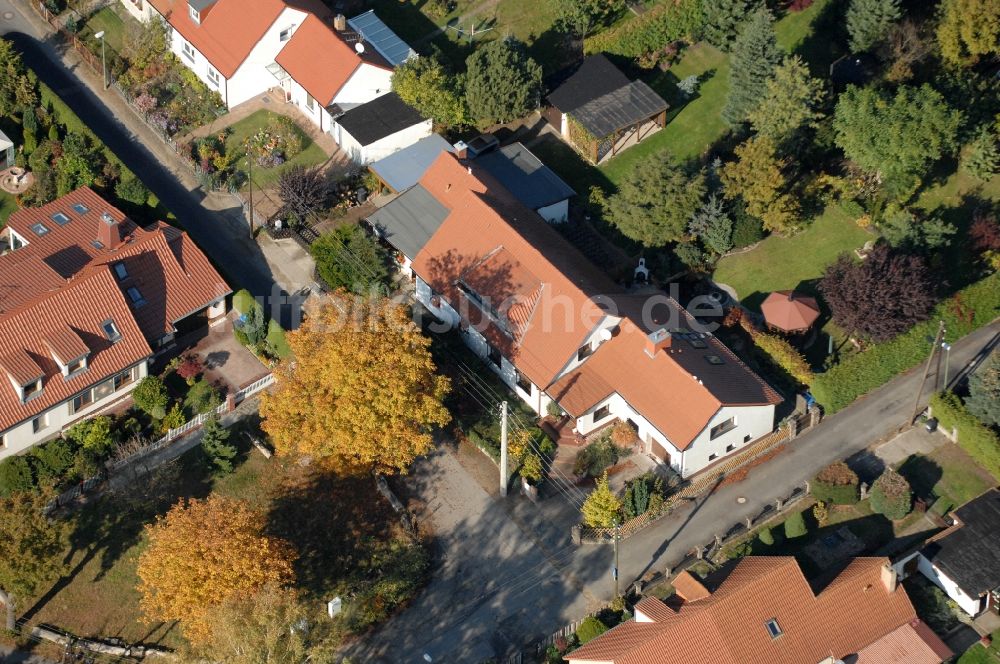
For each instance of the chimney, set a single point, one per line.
(339, 22)
(657, 341)
(109, 231)
(888, 577)
(461, 150)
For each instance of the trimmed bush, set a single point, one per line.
(978, 440)
(590, 629)
(785, 356)
(243, 300)
(15, 475)
(150, 395)
(765, 536)
(966, 311)
(891, 495)
(795, 526)
(836, 484)
(53, 460)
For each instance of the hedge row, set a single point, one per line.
(982, 444)
(664, 23)
(964, 312)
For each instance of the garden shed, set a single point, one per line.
(600, 111)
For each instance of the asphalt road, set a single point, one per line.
(214, 221)
(509, 574)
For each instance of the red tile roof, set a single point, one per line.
(78, 286)
(318, 59)
(912, 643)
(230, 29)
(82, 305)
(729, 626)
(789, 310)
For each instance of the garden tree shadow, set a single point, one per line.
(959, 261)
(501, 576)
(866, 465)
(923, 474)
(553, 49)
(827, 40)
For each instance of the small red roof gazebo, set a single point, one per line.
(790, 311)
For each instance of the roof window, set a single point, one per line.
(80, 208)
(60, 218)
(97, 244)
(111, 330)
(38, 228)
(120, 271)
(773, 628)
(697, 343)
(137, 299)
(108, 219)
(714, 359)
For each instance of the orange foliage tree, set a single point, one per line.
(362, 393)
(204, 552)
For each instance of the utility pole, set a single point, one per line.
(618, 537)
(503, 449)
(927, 368)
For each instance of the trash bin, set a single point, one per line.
(931, 425)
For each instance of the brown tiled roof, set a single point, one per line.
(912, 643)
(230, 29)
(83, 305)
(65, 343)
(20, 366)
(688, 587)
(789, 310)
(729, 626)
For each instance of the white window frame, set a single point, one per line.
(286, 34)
(40, 423)
(194, 14)
(213, 76)
(188, 50)
(310, 102)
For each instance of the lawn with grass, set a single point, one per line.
(978, 654)
(779, 263)
(111, 22)
(333, 521)
(948, 477)
(311, 154)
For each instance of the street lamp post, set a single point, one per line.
(947, 356)
(104, 62)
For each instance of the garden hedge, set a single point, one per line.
(590, 629)
(891, 495)
(651, 31)
(836, 484)
(967, 310)
(795, 526)
(978, 440)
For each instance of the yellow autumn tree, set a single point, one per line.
(204, 552)
(362, 393)
(758, 177)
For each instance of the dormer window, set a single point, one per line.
(31, 390)
(24, 373)
(111, 330)
(76, 366)
(120, 271)
(194, 14)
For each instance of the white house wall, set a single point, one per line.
(752, 422)
(968, 604)
(252, 77)
(621, 410)
(140, 10)
(366, 83)
(555, 213)
(390, 144)
(318, 115)
(21, 437)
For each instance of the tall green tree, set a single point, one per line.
(31, 548)
(984, 391)
(791, 102)
(427, 85)
(502, 82)
(349, 258)
(969, 30)
(755, 57)
(215, 443)
(758, 177)
(982, 156)
(17, 87)
(905, 230)
(713, 225)
(869, 22)
(896, 137)
(581, 17)
(723, 20)
(654, 203)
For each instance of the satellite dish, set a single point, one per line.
(605, 334)
(359, 47)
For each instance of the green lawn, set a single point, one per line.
(778, 263)
(811, 34)
(111, 22)
(311, 154)
(977, 654)
(947, 476)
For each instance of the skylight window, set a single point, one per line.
(80, 208)
(39, 228)
(111, 330)
(136, 297)
(698, 343)
(97, 244)
(120, 271)
(60, 218)
(773, 628)
(106, 216)
(714, 359)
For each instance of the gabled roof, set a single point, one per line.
(65, 343)
(524, 175)
(968, 553)
(318, 59)
(729, 625)
(379, 118)
(83, 305)
(230, 29)
(912, 643)
(595, 78)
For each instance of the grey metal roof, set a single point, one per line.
(404, 168)
(596, 76)
(199, 5)
(970, 555)
(410, 220)
(619, 109)
(532, 182)
(383, 39)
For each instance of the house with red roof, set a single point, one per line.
(763, 609)
(323, 64)
(558, 331)
(87, 299)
